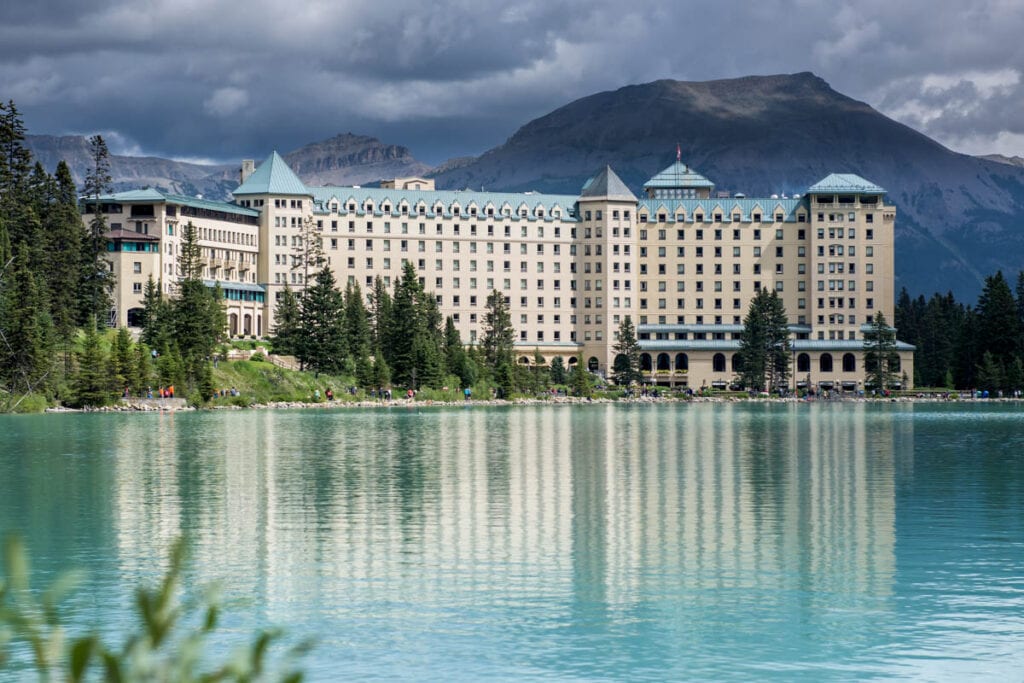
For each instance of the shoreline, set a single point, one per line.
(179, 405)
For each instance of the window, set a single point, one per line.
(137, 267)
(137, 287)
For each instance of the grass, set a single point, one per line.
(261, 382)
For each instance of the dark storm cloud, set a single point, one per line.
(214, 79)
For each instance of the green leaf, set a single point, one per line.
(16, 563)
(81, 653)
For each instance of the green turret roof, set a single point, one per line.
(844, 182)
(273, 176)
(679, 175)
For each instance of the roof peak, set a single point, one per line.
(679, 175)
(273, 176)
(606, 184)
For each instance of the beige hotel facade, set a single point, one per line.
(682, 260)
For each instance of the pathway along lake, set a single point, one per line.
(598, 542)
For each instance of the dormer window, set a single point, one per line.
(386, 208)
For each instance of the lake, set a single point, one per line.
(749, 541)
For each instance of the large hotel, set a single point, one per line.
(683, 260)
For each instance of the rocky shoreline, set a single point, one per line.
(178, 404)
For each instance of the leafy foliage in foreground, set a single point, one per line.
(167, 644)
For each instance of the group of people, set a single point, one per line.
(227, 392)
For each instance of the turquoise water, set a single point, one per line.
(590, 543)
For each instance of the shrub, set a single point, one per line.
(166, 645)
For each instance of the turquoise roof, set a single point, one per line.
(728, 206)
(844, 182)
(156, 196)
(795, 345)
(447, 198)
(679, 175)
(607, 184)
(275, 177)
(146, 195)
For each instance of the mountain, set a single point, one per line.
(342, 160)
(352, 160)
(128, 172)
(1003, 159)
(960, 217)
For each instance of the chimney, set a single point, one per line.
(248, 166)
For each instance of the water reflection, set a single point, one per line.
(599, 542)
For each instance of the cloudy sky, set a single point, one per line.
(217, 80)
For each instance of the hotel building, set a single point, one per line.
(683, 260)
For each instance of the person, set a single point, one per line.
(467, 393)
(316, 395)
(330, 394)
(409, 394)
(170, 391)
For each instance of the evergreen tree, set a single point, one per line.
(142, 377)
(157, 324)
(287, 333)
(968, 351)
(579, 382)
(91, 386)
(322, 346)
(199, 321)
(880, 356)
(380, 314)
(308, 250)
(357, 325)
(499, 335)
(764, 344)
(413, 348)
(96, 281)
(456, 359)
(381, 371)
(558, 375)
(999, 326)
(122, 361)
(63, 240)
(990, 375)
(26, 330)
(626, 368)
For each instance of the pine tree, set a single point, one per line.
(91, 385)
(287, 332)
(990, 375)
(626, 367)
(63, 233)
(380, 313)
(499, 335)
(122, 360)
(26, 330)
(880, 356)
(157, 324)
(764, 344)
(96, 281)
(197, 313)
(579, 382)
(322, 345)
(357, 326)
(308, 250)
(558, 375)
(999, 327)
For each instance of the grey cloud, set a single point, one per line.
(225, 79)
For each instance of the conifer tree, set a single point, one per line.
(764, 344)
(91, 386)
(881, 359)
(96, 281)
(26, 330)
(558, 375)
(63, 239)
(157, 325)
(287, 332)
(122, 360)
(999, 327)
(380, 313)
(322, 345)
(626, 367)
(579, 382)
(197, 312)
(357, 326)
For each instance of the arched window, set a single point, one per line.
(803, 363)
(849, 362)
(233, 324)
(135, 317)
(682, 361)
(718, 362)
(645, 362)
(663, 361)
(573, 360)
(593, 364)
(737, 363)
(524, 360)
(825, 362)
